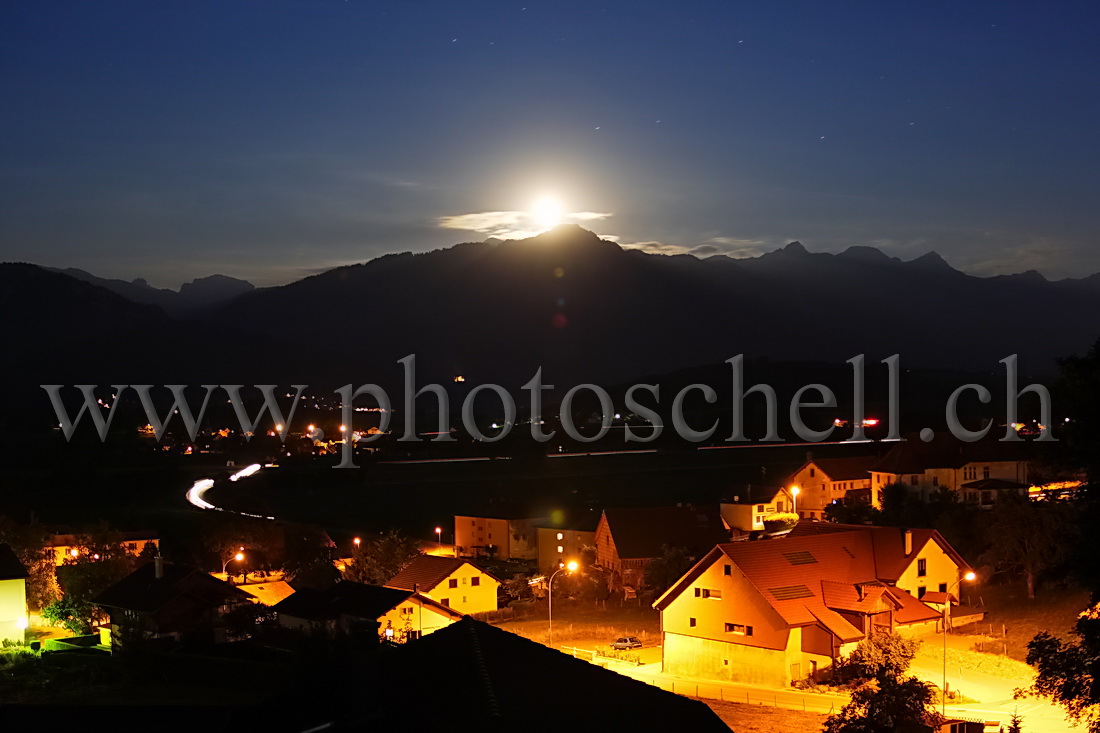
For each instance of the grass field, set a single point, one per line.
(1012, 619)
(586, 627)
(743, 718)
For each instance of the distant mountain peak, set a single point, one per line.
(865, 253)
(795, 248)
(931, 261)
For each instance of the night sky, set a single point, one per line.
(269, 140)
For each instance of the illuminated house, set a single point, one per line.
(453, 581)
(493, 537)
(822, 481)
(165, 601)
(746, 509)
(951, 464)
(400, 615)
(561, 544)
(13, 596)
(772, 612)
(68, 546)
(627, 540)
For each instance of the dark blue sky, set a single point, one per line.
(267, 140)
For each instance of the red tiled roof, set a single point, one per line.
(888, 542)
(640, 532)
(427, 571)
(837, 624)
(845, 469)
(913, 455)
(846, 596)
(911, 610)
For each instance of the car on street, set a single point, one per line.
(627, 642)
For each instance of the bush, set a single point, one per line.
(780, 522)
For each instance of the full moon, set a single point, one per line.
(548, 212)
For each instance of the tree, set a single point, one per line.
(309, 559)
(72, 614)
(878, 657)
(1067, 672)
(1016, 724)
(665, 570)
(377, 560)
(518, 587)
(884, 700)
(224, 534)
(855, 512)
(885, 706)
(29, 545)
(1028, 537)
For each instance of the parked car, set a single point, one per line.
(627, 642)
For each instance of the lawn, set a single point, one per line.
(744, 718)
(1012, 619)
(584, 626)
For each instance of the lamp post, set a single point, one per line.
(439, 537)
(946, 605)
(238, 557)
(795, 491)
(570, 566)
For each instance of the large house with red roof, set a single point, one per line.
(775, 611)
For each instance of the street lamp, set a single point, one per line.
(238, 557)
(570, 566)
(439, 537)
(946, 605)
(795, 491)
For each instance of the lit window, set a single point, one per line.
(739, 629)
(560, 549)
(560, 536)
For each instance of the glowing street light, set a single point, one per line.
(238, 557)
(358, 541)
(571, 566)
(439, 536)
(946, 605)
(795, 491)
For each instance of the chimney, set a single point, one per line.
(158, 566)
(908, 541)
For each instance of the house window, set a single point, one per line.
(985, 472)
(463, 599)
(759, 507)
(739, 629)
(943, 587)
(727, 570)
(922, 567)
(935, 480)
(811, 473)
(921, 591)
(715, 593)
(691, 622)
(560, 549)
(475, 581)
(452, 583)
(708, 593)
(913, 480)
(560, 536)
(445, 601)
